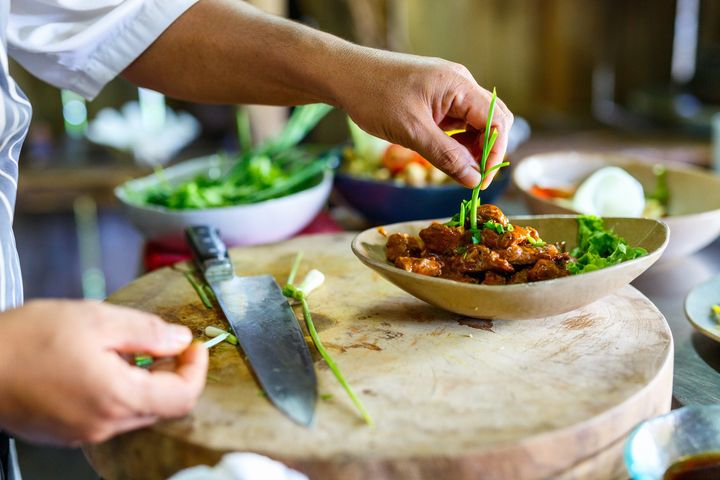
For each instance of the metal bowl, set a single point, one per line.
(661, 441)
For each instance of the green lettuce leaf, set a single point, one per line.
(599, 248)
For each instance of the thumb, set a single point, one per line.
(448, 155)
(131, 331)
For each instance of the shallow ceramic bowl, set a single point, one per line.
(522, 301)
(694, 210)
(251, 224)
(661, 441)
(698, 305)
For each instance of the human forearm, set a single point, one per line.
(229, 52)
(226, 51)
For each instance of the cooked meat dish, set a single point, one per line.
(507, 254)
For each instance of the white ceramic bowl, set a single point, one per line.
(251, 224)
(694, 210)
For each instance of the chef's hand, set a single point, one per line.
(411, 100)
(63, 380)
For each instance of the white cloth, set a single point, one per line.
(83, 44)
(241, 466)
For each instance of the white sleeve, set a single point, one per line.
(83, 44)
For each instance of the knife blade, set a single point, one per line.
(265, 325)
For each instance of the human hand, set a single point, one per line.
(412, 100)
(63, 380)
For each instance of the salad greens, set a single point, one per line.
(273, 169)
(599, 248)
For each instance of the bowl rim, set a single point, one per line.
(355, 246)
(697, 326)
(340, 175)
(627, 448)
(200, 163)
(451, 186)
(618, 159)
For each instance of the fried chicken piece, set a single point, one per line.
(521, 276)
(402, 245)
(479, 258)
(528, 255)
(516, 236)
(545, 269)
(431, 266)
(493, 278)
(488, 213)
(441, 239)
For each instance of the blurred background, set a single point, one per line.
(640, 76)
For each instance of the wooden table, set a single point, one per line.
(697, 358)
(452, 397)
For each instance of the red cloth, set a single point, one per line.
(157, 255)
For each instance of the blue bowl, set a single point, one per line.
(383, 202)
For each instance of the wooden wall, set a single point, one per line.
(540, 54)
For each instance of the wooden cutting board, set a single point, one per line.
(452, 398)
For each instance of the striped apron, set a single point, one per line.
(15, 112)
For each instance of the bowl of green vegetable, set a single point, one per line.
(265, 195)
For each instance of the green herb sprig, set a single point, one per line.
(471, 207)
(291, 291)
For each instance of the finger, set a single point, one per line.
(449, 123)
(472, 140)
(474, 107)
(130, 331)
(446, 154)
(497, 154)
(131, 423)
(173, 394)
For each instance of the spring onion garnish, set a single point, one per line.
(535, 243)
(201, 288)
(297, 293)
(143, 360)
(471, 207)
(214, 332)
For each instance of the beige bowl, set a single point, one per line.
(522, 301)
(694, 210)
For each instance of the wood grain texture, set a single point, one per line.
(451, 397)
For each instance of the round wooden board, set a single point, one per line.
(451, 397)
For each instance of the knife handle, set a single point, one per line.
(208, 249)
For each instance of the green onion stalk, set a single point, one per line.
(291, 291)
(490, 136)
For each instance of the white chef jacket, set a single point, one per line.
(79, 45)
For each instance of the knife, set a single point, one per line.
(263, 322)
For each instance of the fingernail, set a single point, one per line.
(470, 177)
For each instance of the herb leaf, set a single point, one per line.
(599, 248)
